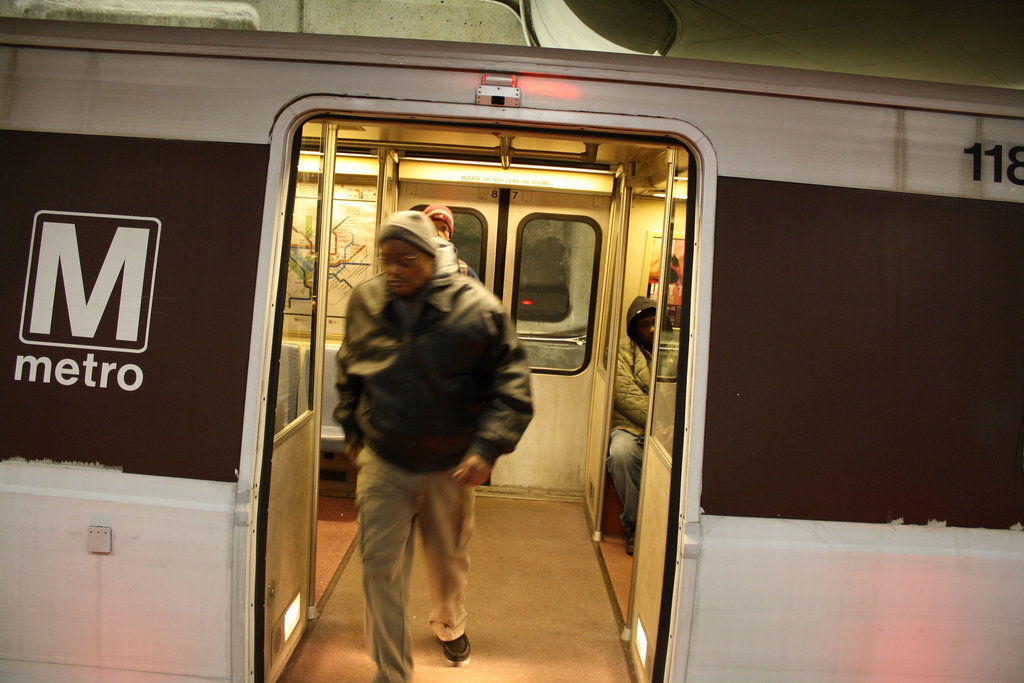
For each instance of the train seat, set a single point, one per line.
(337, 471)
(332, 436)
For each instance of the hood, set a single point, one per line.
(641, 307)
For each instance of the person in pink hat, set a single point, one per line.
(444, 222)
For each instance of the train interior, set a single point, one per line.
(566, 229)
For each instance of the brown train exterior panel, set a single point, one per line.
(90, 225)
(866, 357)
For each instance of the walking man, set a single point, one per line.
(434, 387)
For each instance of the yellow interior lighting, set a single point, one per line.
(524, 177)
(291, 617)
(345, 164)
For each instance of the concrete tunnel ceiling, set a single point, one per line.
(972, 42)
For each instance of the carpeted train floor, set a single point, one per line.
(539, 603)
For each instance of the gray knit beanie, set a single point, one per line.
(413, 227)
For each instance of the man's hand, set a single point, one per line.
(472, 471)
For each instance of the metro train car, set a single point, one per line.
(833, 483)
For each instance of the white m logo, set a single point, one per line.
(58, 258)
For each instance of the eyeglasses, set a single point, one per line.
(400, 261)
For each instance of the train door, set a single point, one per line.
(539, 251)
(644, 263)
(290, 473)
(330, 245)
(667, 269)
(553, 252)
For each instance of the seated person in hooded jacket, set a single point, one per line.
(629, 417)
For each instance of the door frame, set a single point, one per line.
(250, 535)
(606, 334)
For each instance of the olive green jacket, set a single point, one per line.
(632, 383)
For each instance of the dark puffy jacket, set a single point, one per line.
(458, 383)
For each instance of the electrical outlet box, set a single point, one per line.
(100, 540)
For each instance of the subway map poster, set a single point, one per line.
(349, 256)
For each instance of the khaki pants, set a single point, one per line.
(391, 502)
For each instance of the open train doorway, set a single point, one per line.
(566, 229)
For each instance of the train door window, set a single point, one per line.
(556, 265)
(294, 383)
(347, 256)
(675, 261)
(470, 238)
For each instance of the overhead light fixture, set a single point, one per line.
(517, 176)
(346, 164)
